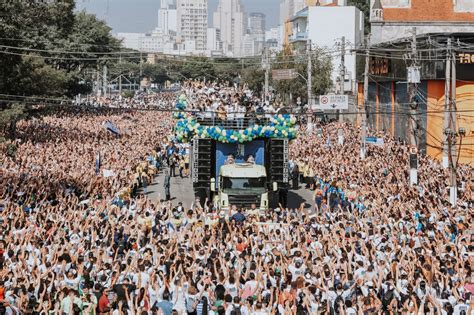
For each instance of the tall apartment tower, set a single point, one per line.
(167, 18)
(192, 22)
(229, 19)
(256, 23)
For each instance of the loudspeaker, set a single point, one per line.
(278, 161)
(413, 161)
(201, 166)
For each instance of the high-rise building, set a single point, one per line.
(256, 31)
(192, 22)
(229, 19)
(167, 17)
(257, 23)
(214, 44)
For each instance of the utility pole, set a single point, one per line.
(342, 73)
(413, 76)
(363, 125)
(310, 84)
(97, 74)
(120, 77)
(104, 80)
(141, 64)
(447, 103)
(453, 190)
(266, 67)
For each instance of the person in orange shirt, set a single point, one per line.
(287, 295)
(241, 245)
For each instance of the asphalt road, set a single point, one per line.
(182, 190)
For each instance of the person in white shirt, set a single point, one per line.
(297, 269)
(237, 308)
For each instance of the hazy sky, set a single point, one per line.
(142, 15)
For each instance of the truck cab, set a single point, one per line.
(226, 181)
(241, 184)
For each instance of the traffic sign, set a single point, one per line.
(284, 74)
(334, 102)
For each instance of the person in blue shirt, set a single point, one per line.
(165, 305)
(238, 217)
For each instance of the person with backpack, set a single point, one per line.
(236, 308)
(338, 297)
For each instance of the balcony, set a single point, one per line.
(298, 36)
(233, 124)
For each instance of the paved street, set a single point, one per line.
(182, 190)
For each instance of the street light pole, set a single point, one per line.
(363, 125)
(120, 78)
(412, 92)
(447, 102)
(310, 74)
(342, 73)
(309, 84)
(266, 67)
(453, 190)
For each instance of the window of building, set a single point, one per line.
(464, 6)
(396, 3)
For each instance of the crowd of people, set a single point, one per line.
(79, 234)
(139, 100)
(228, 104)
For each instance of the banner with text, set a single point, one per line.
(334, 102)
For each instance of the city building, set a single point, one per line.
(214, 42)
(394, 19)
(389, 98)
(272, 33)
(256, 23)
(152, 42)
(229, 19)
(289, 8)
(393, 24)
(167, 17)
(131, 40)
(325, 26)
(273, 39)
(145, 42)
(256, 28)
(192, 22)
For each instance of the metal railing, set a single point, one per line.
(233, 124)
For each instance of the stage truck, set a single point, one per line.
(240, 174)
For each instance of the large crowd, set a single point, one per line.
(79, 234)
(223, 102)
(139, 100)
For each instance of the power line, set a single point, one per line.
(70, 103)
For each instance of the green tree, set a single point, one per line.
(253, 77)
(157, 73)
(35, 37)
(321, 74)
(46, 31)
(228, 69)
(198, 68)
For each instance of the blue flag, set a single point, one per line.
(97, 163)
(111, 127)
